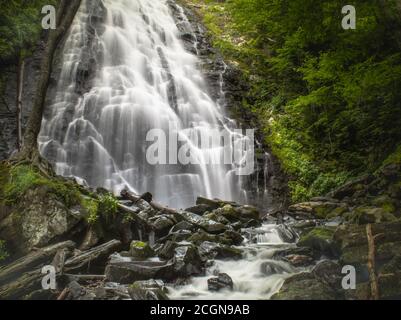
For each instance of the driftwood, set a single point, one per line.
(83, 261)
(31, 261)
(24, 276)
(374, 287)
(134, 198)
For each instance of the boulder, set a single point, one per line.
(199, 209)
(212, 250)
(208, 203)
(320, 239)
(365, 215)
(222, 281)
(141, 250)
(187, 261)
(305, 286)
(206, 224)
(127, 271)
(148, 290)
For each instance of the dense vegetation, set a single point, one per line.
(20, 26)
(328, 99)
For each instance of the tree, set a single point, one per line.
(29, 153)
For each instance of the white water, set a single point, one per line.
(255, 277)
(100, 135)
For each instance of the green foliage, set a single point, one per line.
(3, 251)
(327, 98)
(17, 180)
(20, 25)
(106, 206)
(91, 206)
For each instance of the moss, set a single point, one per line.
(3, 251)
(320, 239)
(17, 180)
(395, 157)
(141, 250)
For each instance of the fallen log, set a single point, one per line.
(135, 198)
(84, 260)
(32, 261)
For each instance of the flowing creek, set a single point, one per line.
(256, 277)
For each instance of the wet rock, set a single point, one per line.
(286, 233)
(182, 225)
(212, 250)
(305, 286)
(248, 213)
(216, 217)
(222, 281)
(162, 224)
(302, 251)
(141, 250)
(166, 252)
(274, 267)
(199, 209)
(211, 204)
(187, 261)
(321, 240)
(228, 212)
(208, 225)
(233, 237)
(330, 272)
(298, 260)
(148, 290)
(128, 271)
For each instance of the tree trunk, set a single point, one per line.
(374, 287)
(20, 85)
(65, 15)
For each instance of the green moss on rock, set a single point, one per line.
(141, 250)
(320, 239)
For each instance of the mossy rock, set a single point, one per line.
(386, 203)
(148, 290)
(364, 215)
(305, 286)
(141, 250)
(228, 212)
(320, 239)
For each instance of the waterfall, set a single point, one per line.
(123, 70)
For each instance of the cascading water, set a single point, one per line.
(256, 276)
(142, 78)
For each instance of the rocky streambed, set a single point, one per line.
(213, 250)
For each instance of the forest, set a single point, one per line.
(77, 102)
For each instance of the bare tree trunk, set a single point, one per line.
(20, 86)
(66, 12)
(374, 287)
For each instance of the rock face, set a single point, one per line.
(40, 220)
(227, 86)
(337, 227)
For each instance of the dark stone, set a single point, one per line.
(148, 290)
(222, 281)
